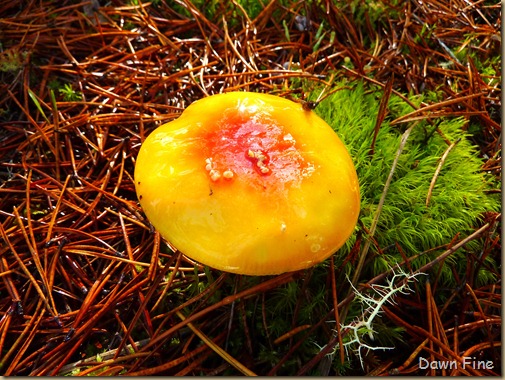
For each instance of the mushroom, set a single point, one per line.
(249, 183)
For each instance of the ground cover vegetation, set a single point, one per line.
(87, 287)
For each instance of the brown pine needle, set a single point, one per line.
(232, 361)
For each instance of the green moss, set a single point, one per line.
(69, 94)
(459, 197)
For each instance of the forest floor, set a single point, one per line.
(87, 287)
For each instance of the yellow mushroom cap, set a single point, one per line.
(249, 183)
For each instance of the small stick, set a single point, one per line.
(364, 252)
(437, 171)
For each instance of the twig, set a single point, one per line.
(437, 171)
(375, 220)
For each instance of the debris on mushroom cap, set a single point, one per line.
(228, 174)
(249, 183)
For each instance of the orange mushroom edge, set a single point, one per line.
(249, 183)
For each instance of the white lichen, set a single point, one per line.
(363, 325)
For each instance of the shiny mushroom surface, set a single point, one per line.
(249, 183)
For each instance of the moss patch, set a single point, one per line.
(459, 197)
